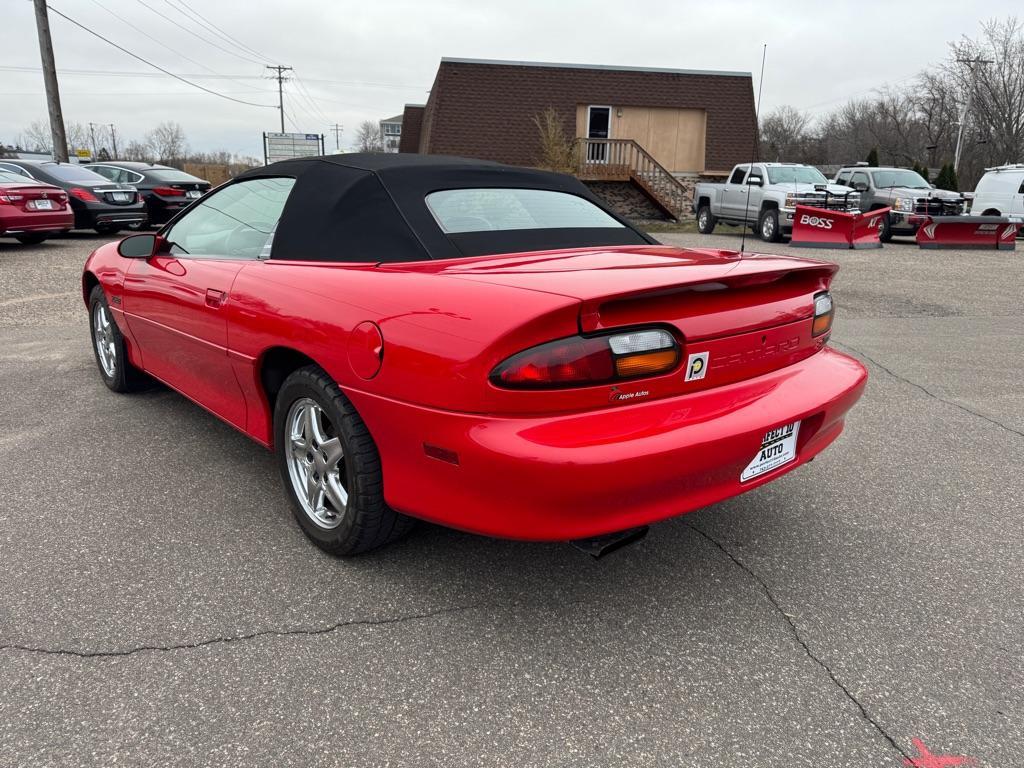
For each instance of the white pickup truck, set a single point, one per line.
(765, 195)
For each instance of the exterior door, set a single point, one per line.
(175, 301)
(599, 126)
(735, 194)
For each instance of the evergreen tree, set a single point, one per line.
(873, 157)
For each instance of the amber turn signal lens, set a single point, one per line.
(822, 324)
(824, 311)
(647, 364)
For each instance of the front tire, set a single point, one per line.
(109, 348)
(331, 468)
(705, 220)
(768, 226)
(885, 231)
(33, 238)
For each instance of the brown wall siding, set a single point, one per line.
(485, 110)
(412, 120)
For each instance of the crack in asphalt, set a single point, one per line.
(799, 639)
(927, 391)
(327, 629)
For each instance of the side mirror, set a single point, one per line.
(860, 186)
(755, 181)
(137, 246)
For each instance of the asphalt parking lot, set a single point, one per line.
(159, 605)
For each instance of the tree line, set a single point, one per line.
(916, 124)
(166, 143)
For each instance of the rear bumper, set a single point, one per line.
(39, 221)
(579, 475)
(113, 215)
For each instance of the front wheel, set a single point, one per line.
(768, 226)
(109, 348)
(885, 230)
(331, 468)
(705, 220)
(33, 238)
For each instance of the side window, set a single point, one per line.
(860, 178)
(737, 175)
(105, 171)
(843, 178)
(132, 177)
(1021, 190)
(233, 223)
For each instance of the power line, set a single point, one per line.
(198, 17)
(157, 66)
(195, 34)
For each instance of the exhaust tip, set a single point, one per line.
(599, 546)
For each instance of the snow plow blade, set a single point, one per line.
(962, 232)
(820, 228)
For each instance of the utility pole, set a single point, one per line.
(113, 140)
(967, 105)
(92, 140)
(57, 135)
(280, 70)
(337, 135)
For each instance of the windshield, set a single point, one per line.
(899, 178)
(171, 176)
(489, 210)
(801, 174)
(73, 173)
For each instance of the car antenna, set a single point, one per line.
(753, 148)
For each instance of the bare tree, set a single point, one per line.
(36, 137)
(136, 151)
(557, 149)
(368, 137)
(784, 132)
(167, 143)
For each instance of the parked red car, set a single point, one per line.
(485, 347)
(30, 211)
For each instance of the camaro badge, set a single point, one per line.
(696, 366)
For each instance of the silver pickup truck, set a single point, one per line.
(765, 196)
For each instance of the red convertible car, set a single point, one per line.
(485, 347)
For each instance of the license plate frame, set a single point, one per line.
(121, 197)
(41, 205)
(778, 448)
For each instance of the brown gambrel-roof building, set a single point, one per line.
(634, 123)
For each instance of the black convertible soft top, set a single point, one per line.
(372, 208)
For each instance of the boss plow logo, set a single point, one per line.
(816, 221)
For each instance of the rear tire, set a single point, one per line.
(109, 349)
(705, 220)
(991, 212)
(331, 468)
(34, 238)
(768, 226)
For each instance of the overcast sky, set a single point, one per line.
(360, 60)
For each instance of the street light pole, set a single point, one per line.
(967, 106)
(57, 135)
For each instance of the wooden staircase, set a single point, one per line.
(625, 160)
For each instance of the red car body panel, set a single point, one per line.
(529, 464)
(18, 212)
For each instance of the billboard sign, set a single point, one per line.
(286, 146)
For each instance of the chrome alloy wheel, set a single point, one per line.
(768, 228)
(316, 463)
(103, 335)
(702, 218)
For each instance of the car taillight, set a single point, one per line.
(168, 192)
(10, 199)
(824, 311)
(583, 361)
(83, 194)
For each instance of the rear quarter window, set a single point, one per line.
(496, 210)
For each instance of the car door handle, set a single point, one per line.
(215, 298)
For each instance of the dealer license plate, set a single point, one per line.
(42, 205)
(777, 449)
(121, 197)
(193, 194)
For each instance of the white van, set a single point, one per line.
(1000, 192)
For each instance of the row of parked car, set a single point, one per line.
(42, 198)
(765, 196)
